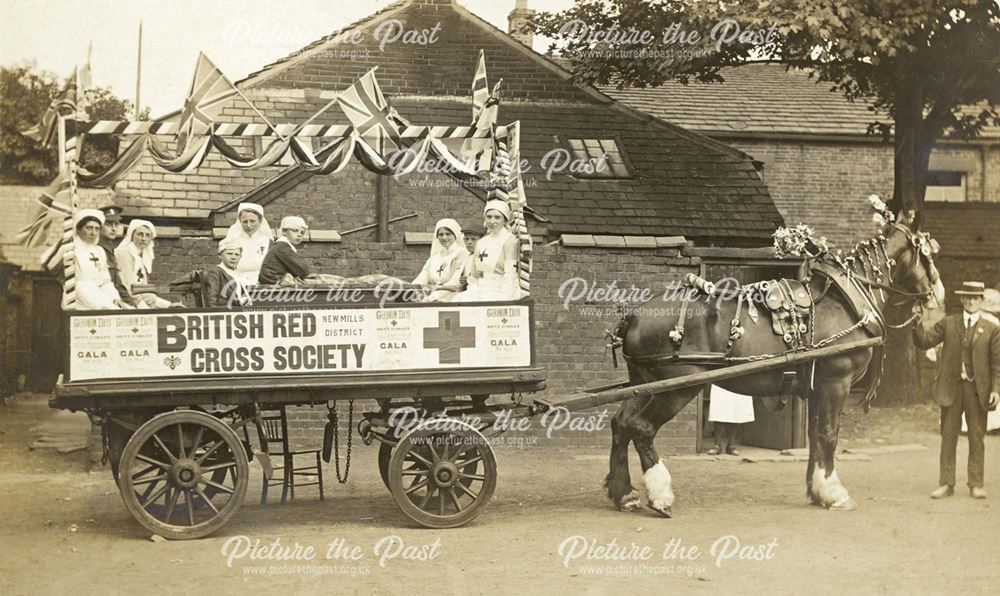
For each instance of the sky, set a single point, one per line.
(240, 37)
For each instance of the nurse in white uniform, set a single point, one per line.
(94, 288)
(494, 263)
(254, 236)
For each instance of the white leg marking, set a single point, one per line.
(829, 491)
(658, 489)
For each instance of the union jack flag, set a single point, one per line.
(46, 131)
(371, 115)
(210, 89)
(480, 87)
(37, 232)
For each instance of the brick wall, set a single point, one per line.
(825, 185)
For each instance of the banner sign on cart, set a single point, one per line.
(159, 344)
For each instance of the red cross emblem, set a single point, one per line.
(449, 337)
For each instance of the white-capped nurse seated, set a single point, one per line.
(441, 273)
(253, 235)
(135, 263)
(494, 262)
(94, 288)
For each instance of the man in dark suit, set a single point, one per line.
(111, 231)
(968, 381)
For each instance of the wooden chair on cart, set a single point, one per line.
(288, 474)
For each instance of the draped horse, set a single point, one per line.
(849, 298)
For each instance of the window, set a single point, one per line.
(597, 158)
(946, 186)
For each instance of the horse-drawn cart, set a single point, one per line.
(177, 392)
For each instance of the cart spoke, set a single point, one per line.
(145, 471)
(454, 498)
(413, 472)
(172, 498)
(152, 498)
(231, 464)
(208, 452)
(147, 492)
(427, 497)
(472, 476)
(205, 498)
(440, 502)
(417, 486)
(466, 490)
(150, 460)
(216, 485)
(197, 440)
(470, 462)
(190, 506)
(148, 480)
(163, 446)
(434, 453)
(180, 441)
(421, 458)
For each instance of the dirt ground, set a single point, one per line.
(65, 529)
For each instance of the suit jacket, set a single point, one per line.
(985, 356)
(218, 287)
(280, 259)
(114, 270)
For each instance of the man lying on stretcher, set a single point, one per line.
(283, 265)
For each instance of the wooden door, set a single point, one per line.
(785, 428)
(47, 334)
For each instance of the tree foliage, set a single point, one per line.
(25, 94)
(927, 67)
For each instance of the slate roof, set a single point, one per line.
(684, 183)
(758, 100)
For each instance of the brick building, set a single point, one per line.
(667, 195)
(819, 164)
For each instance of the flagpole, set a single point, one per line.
(62, 143)
(138, 73)
(262, 116)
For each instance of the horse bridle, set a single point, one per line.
(921, 245)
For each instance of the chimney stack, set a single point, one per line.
(516, 21)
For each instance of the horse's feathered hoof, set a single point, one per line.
(847, 504)
(629, 502)
(665, 511)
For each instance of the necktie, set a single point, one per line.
(967, 372)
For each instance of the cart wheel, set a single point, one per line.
(183, 474)
(442, 478)
(384, 456)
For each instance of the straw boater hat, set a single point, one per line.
(971, 288)
(991, 301)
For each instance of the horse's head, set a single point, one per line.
(912, 252)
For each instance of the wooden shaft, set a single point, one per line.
(605, 397)
(381, 208)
